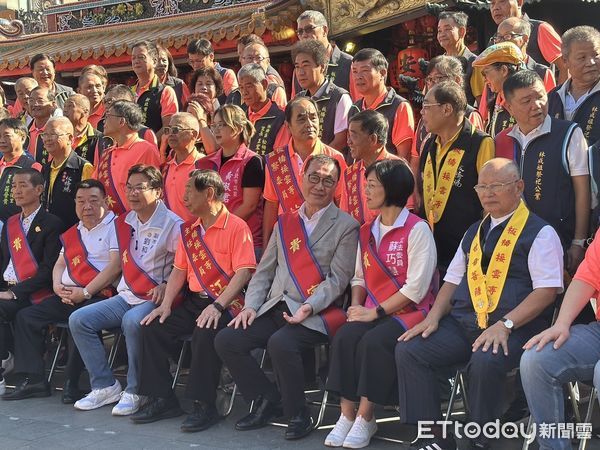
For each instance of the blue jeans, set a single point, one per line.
(85, 323)
(544, 374)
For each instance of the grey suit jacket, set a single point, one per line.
(333, 243)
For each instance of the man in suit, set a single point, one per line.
(26, 267)
(306, 266)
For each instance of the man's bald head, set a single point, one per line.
(501, 168)
(186, 120)
(27, 82)
(80, 100)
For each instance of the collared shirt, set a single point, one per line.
(153, 246)
(229, 79)
(97, 115)
(177, 175)
(545, 259)
(421, 253)
(269, 192)
(283, 135)
(99, 243)
(230, 242)
(571, 105)
(310, 224)
(9, 273)
(86, 173)
(279, 96)
(577, 152)
(549, 41)
(341, 110)
(168, 98)
(4, 164)
(486, 150)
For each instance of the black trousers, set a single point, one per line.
(284, 343)
(362, 361)
(418, 359)
(159, 341)
(8, 311)
(30, 330)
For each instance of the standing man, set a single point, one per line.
(259, 54)
(30, 246)
(44, 72)
(369, 67)
(43, 106)
(553, 157)
(313, 25)
(12, 137)
(147, 237)
(85, 137)
(215, 297)
(64, 172)
(451, 32)
(92, 83)
(182, 132)
(200, 55)
(451, 160)
(83, 274)
(23, 87)
(306, 266)
(157, 101)
(123, 120)
(310, 63)
(367, 134)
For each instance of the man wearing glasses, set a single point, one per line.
(258, 53)
(306, 266)
(123, 120)
(64, 171)
(313, 25)
(450, 162)
(42, 104)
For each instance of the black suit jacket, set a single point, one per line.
(43, 238)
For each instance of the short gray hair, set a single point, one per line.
(583, 33)
(519, 25)
(316, 17)
(130, 111)
(254, 71)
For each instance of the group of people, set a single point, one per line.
(223, 213)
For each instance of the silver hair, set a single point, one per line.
(316, 17)
(254, 71)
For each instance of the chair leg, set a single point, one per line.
(574, 395)
(231, 401)
(528, 432)
(452, 396)
(463, 389)
(179, 363)
(588, 417)
(322, 409)
(63, 332)
(112, 354)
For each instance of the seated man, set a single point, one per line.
(215, 256)
(564, 353)
(147, 237)
(82, 276)
(497, 293)
(29, 248)
(306, 266)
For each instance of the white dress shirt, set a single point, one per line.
(10, 275)
(153, 246)
(310, 224)
(422, 257)
(570, 104)
(545, 259)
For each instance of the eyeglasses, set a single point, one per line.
(435, 80)
(175, 130)
(315, 179)
(256, 59)
(113, 115)
(306, 30)
(497, 38)
(218, 125)
(426, 106)
(494, 188)
(47, 136)
(139, 188)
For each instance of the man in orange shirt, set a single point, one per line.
(182, 132)
(266, 116)
(92, 83)
(158, 102)
(259, 54)
(283, 177)
(369, 68)
(123, 120)
(43, 106)
(215, 256)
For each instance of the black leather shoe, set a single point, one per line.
(299, 426)
(71, 393)
(264, 411)
(158, 409)
(204, 416)
(27, 389)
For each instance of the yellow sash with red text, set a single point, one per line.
(486, 289)
(114, 201)
(304, 268)
(209, 273)
(436, 189)
(23, 259)
(287, 188)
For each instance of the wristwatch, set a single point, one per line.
(218, 307)
(380, 312)
(578, 242)
(507, 323)
(86, 294)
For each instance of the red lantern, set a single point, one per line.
(429, 24)
(408, 62)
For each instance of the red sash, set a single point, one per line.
(304, 268)
(210, 275)
(79, 267)
(284, 181)
(381, 284)
(114, 201)
(23, 259)
(354, 178)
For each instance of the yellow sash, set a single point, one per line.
(437, 194)
(486, 289)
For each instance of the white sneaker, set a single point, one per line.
(129, 404)
(100, 397)
(338, 434)
(8, 364)
(361, 433)
(2, 387)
